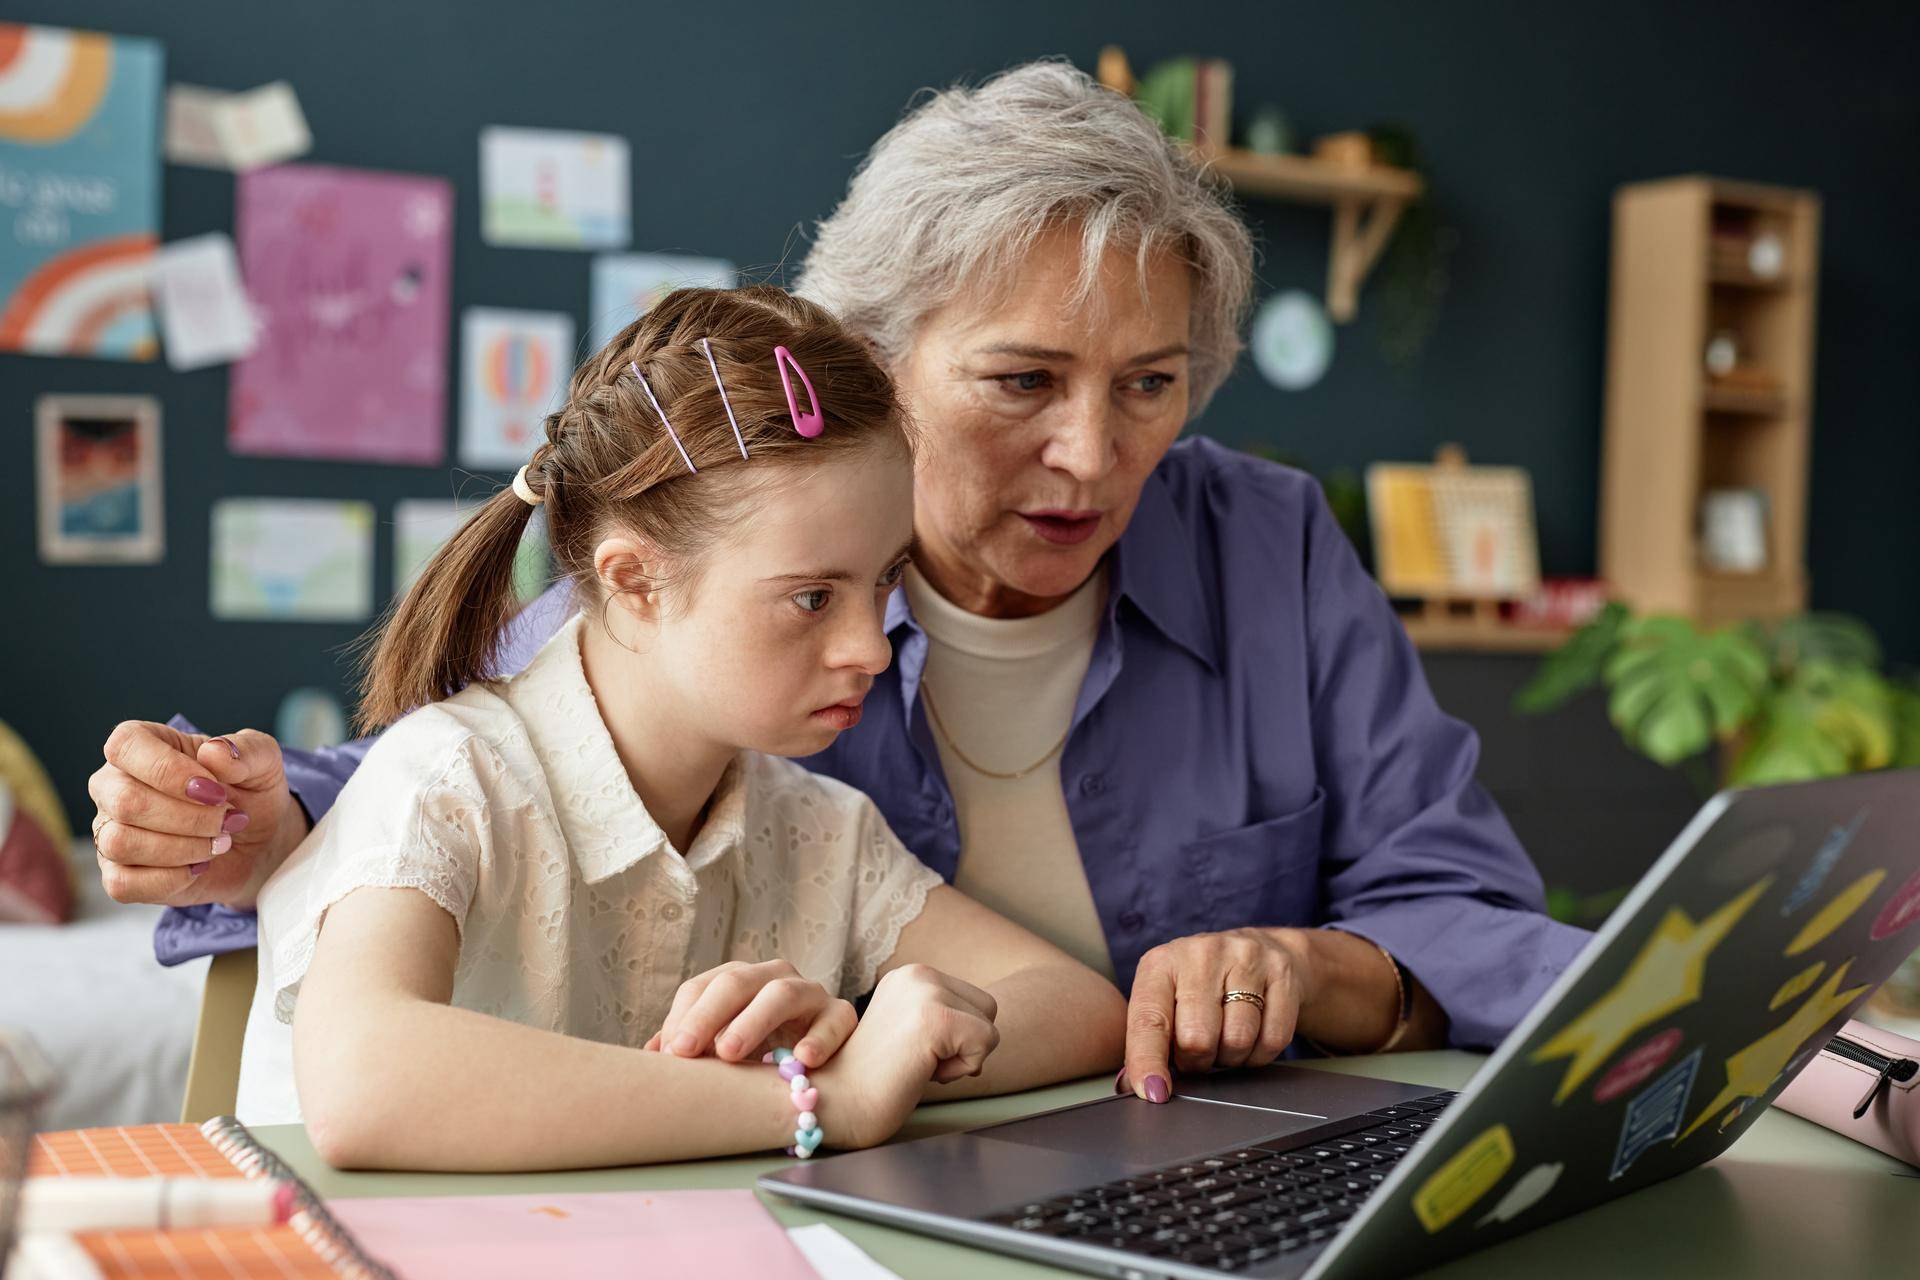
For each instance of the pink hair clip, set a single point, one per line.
(731, 420)
(671, 433)
(813, 422)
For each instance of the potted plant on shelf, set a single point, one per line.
(1806, 697)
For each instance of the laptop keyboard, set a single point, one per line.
(1238, 1208)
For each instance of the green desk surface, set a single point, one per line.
(1789, 1199)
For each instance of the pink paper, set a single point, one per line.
(349, 273)
(657, 1233)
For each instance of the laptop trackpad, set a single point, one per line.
(1148, 1136)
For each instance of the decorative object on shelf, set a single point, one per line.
(99, 480)
(1561, 604)
(1733, 530)
(1269, 132)
(1114, 71)
(1723, 353)
(1191, 99)
(1413, 271)
(1766, 256)
(309, 719)
(1685, 294)
(1453, 532)
(1291, 340)
(1350, 150)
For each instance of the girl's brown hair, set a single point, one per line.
(608, 465)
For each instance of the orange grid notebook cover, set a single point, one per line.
(311, 1245)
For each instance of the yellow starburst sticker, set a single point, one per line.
(1665, 976)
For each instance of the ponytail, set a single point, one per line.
(445, 633)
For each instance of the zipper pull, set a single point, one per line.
(1903, 1068)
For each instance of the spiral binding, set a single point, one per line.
(321, 1230)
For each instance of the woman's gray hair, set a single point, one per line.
(955, 194)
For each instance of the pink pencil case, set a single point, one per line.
(1863, 1085)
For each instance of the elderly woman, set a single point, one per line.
(1144, 699)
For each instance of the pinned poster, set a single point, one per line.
(79, 191)
(349, 273)
(626, 285)
(239, 131)
(514, 367)
(555, 189)
(204, 313)
(292, 559)
(99, 490)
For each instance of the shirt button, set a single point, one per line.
(1092, 784)
(1131, 919)
(670, 912)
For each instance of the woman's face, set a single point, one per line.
(1041, 423)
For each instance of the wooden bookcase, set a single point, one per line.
(1684, 271)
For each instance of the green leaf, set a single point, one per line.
(1833, 638)
(1675, 689)
(1575, 666)
(1165, 94)
(1826, 720)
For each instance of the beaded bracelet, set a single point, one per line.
(808, 1136)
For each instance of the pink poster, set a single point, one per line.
(349, 273)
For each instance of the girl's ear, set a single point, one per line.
(628, 571)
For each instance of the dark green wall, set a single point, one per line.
(747, 118)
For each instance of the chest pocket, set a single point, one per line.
(1265, 874)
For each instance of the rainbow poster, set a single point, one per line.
(79, 191)
(514, 371)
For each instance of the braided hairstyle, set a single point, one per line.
(608, 465)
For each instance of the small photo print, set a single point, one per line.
(99, 480)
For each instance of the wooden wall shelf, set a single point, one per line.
(1367, 203)
(1434, 636)
(1673, 432)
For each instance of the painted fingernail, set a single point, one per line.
(235, 751)
(222, 843)
(1157, 1090)
(235, 821)
(206, 791)
(195, 868)
(1120, 1084)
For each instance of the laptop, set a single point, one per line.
(1731, 963)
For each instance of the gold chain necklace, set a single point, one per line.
(926, 693)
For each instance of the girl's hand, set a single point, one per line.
(739, 1011)
(921, 1025)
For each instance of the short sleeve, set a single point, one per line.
(413, 816)
(890, 888)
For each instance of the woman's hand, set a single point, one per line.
(920, 1025)
(183, 818)
(1177, 1009)
(739, 1011)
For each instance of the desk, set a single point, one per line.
(1790, 1199)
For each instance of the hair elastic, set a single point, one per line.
(524, 491)
(731, 420)
(811, 423)
(671, 433)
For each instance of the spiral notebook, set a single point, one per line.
(313, 1244)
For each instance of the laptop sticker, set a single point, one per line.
(1455, 1186)
(1835, 913)
(1530, 1190)
(1823, 863)
(1755, 854)
(1638, 1066)
(1664, 977)
(1798, 985)
(1752, 1071)
(1654, 1114)
(1902, 909)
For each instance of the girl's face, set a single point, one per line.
(776, 641)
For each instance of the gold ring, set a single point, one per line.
(1254, 998)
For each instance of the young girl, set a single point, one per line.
(556, 920)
